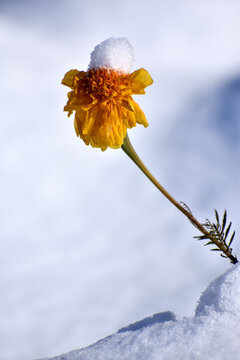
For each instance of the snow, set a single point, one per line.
(222, 295)
(113, 53)
(212, 334)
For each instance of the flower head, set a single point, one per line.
(101, 97)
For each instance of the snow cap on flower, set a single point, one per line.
(113, 53)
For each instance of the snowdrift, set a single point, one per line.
(213, 333)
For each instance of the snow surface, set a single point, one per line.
(213, 333)
(113, 53)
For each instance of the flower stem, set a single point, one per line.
(129, 150)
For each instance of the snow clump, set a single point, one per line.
(114, 53)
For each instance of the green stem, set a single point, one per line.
(129, 150)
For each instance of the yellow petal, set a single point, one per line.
(91, 116)
(141, 79)
(80, 117)
(68, 79)
(76, 127)
(87, 105)
(111, 128)
(78, 102)
(127, 104)
(128, 117)
(139, 115)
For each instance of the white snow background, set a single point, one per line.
(87, 244)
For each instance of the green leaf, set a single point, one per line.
(227, 231)
(217, 217)
(209, 243)
(224, 220)
(232, 237)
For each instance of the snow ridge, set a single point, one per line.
(213, 333)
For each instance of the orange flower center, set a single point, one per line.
(104, 84)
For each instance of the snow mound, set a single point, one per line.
(223, 294)
(113, 53)
(212, 334)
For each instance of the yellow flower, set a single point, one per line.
(103, 105)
